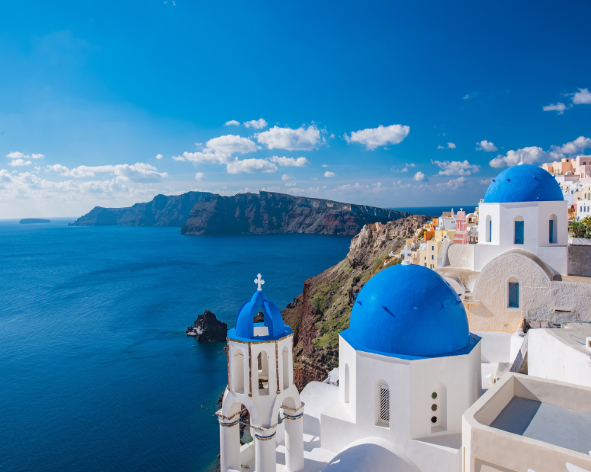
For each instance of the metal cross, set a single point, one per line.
(259, 282)
(406, 252)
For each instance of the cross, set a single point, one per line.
(259, 282)
(406, 252)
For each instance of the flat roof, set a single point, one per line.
(545, 422)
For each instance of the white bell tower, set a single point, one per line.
(260, 380)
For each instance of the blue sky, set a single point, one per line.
(384, 103)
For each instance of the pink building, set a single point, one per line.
(461, 235)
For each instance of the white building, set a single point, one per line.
(522, 266)
(260, 380)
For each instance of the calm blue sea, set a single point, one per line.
(96, 373)
(436, 211)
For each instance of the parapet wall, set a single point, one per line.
(579, 260)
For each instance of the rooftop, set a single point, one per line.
(552, 424)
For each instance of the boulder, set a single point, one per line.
(207, 328)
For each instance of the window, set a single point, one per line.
(432, 257)
(488, 229)
(513, 294)
(263, 373)
(384, 404)
(552, 229)
(519, 230)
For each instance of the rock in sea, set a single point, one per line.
(207, 328)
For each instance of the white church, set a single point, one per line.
(411, 375)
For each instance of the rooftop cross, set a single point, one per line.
(406, 252)
(259, 282)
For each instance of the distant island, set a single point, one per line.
(30, 221)
(204, 213)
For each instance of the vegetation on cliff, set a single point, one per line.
(323, 310)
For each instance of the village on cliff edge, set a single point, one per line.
(473, 354)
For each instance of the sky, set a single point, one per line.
(393, 104)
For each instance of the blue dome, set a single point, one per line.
(244, 330)
(523, 183)
(408, 310)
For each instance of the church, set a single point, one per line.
(410, 395)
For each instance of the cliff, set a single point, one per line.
(267, 212)
(207, 328)
(324, 307)
(200, 213)
(163, 210)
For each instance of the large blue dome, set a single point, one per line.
(523, 183)
(408, 310)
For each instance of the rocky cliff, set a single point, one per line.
(323, 309)
(200, 213)
(267, 212)
(163, 210)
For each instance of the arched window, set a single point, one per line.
(438, 409)
(285, 357)
(552, 229)
(263, 373)
(513, 293)
(346, 383)
(238, 372)
(488, 229)
(519, 230)
(382, 404)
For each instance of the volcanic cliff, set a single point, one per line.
(324, 308)
(202, 213)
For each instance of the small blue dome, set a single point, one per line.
(408, 310)
(523, 183)
(244, 330)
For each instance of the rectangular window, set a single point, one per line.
(490, 231)
(513, 295)
(519, 232)
(551, 232)
(432, 257)
(384, 404)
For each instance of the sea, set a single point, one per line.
(96, 372)
(437, 211)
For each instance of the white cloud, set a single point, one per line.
(371, 138)
(300, 139)
(138, 172)
(249, 166)
(486, 146)
(285, 177)
(486, 181)
(256, 124)
(231, 144)
(559, 107)
(199, 176)
(329, 174)
(290, 161)
(536, 155)
(20, 155)
(159, 156)
(19, 163)
(290, 184)
(582, 97)
(419, 177)
(452, 184)
(232, 123)
(456, 167)
(449, 146)
(531, 155)
(574, 147)
(324, 165)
